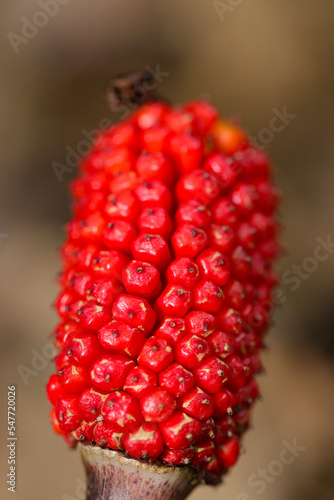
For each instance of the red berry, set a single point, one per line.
(156, 355)
(152, 248)
(118, 235)
(109, 263)
(122, 338)
(193, 212)
(176, 379)
(171, 329)
(222, 403)
(122, 206)
(155, 220)
(213, 265)
(144, 442)
(200, 323)
(221, 237)
(104, 291)
(122, 411)
(186, 151)
(222, 344)
(109, 372)
(175, 300)
(228, 452)
(224, 212)
(93, 316)
(83, 348)
(178, 456)
(204, 450)
(155, 166)
(74, 378)
(211, 375)
(180, 430)
(205, 115)
(188, 240)
(54, 389)
(106, 435)
(157, 406)
(183, 271)
(91, 402)
(134, 311)
(191, 351)
(208, 296)
(154, 193)
(197, 403)
(141, 278)
(68, 412)
(154, 139)
(199, 186)
(223, 169)
(140, 381)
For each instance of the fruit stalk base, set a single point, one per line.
(113, 476)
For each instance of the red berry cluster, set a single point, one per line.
(166, 289)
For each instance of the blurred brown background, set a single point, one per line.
(250, 58)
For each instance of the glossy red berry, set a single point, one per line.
(155, 220)
(118, 235)
(188, 240)
(74, 378)
(54, 389)
(183, 271)
(157, 406)
(68, 412)
(122, 206)
(193, 212)
(171, 329)
(140, 381)
(121, 338)
(141, 278)
(144, 442)
(191, 351)
(180, 430)
(214, 266)
(200, 323)
(176, 379)
(198, 185)
(211, 375)
(228, 452)
(156, 355)
(155, 166)
(122, 411)
(83, 348)
(109, 372)
(91, 402)
(152, 248)
(135, 311)
(174, 301)
(105, 435)
(197, 403)
(208, 296)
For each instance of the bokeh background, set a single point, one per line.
(250, 58)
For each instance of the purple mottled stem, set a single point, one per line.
(113, 476)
